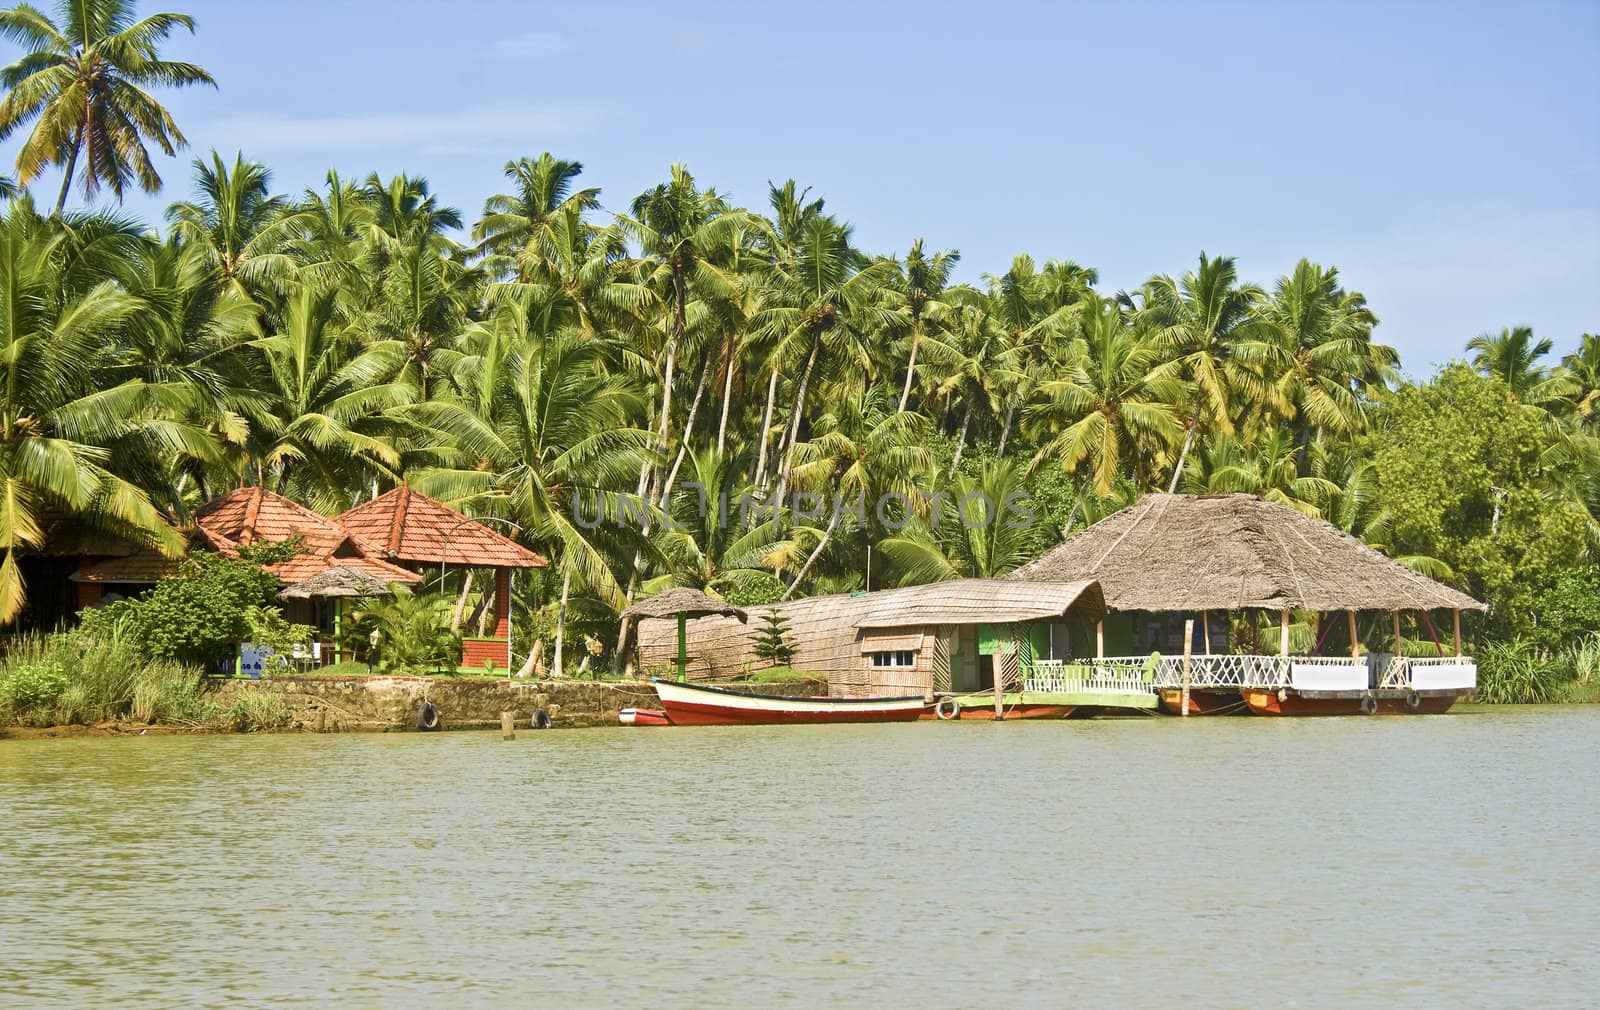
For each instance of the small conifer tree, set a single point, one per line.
(772, 642)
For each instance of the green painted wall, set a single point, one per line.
(1119, 637)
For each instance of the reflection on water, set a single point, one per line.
(1224, 862)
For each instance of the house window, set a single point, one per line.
(898, 658)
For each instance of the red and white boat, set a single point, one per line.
(643, 717)
(694, 705)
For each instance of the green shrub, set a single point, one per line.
(85, 678)
(1519, 673)
(35, 683)
(410, 633)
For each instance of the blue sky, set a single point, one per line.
(1446, 156)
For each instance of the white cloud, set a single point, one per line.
(390, 132)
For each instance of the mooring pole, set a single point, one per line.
(1188, 650)
(508, 724)
(683, 649)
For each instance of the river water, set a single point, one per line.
(1247, 862)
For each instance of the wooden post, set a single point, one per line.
(1188, 649)
(1205, 628)
(1100, 639)
(508, 723)
(999, 664)
(683, 649)
(1458, 632)
(1355, 643)
(1283, 635)
(1397, 649)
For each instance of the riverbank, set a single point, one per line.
(388, 704)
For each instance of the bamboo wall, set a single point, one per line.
(826, 640)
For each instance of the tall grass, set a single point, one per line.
(1520, 673)
(49, 680)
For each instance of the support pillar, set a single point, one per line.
(1397, 650)
(1283, 634)
(1458, 631)
(683, 649)
(1188, 650)
(1100, 639)
(1355, 643)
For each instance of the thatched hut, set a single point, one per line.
(678, 605)
(1173, 558)
(944, 636)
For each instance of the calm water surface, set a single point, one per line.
(1446, 861)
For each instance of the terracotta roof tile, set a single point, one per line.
(417, 528)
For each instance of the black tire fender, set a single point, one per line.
(540, 720)
(427, 717)
(947, 708)
(1413, 701)
(1369, 704)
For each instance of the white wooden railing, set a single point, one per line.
(1209, 671)
(1117, 675)
(1430, 673)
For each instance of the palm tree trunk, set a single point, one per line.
(688, 432)
(561, 621)
(461, 601)
(827, 535)
(1005, 431)
(911, 365)
(961, 440)
(72, 166)
(727, 394)
(787, 465)
(766, 429)
(1188, 440)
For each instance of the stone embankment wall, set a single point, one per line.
(334, 704)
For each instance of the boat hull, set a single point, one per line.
(1203, 702)
(1268, 703)
(1025, 711)
(692, 705)
(643, 717)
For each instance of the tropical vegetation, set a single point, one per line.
(664, 395)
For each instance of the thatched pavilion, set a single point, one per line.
(678, 605)
(1174, 557)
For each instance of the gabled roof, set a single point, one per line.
(1186, 553)
(407, 525)
(983, 601)
(255, 515)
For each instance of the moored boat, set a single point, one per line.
(643, 717)
(697, 705)
(1379, 702)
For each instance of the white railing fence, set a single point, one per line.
(1117, 675)
(1430, 673)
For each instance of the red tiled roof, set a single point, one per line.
(252, 514)
(410, 526)
(138, 568)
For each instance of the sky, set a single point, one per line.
(1445, 156)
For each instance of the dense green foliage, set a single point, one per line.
(86, 678)
(622, 386)
(202, 614)
(410, 633)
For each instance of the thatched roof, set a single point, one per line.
(338, 581)
(1173, 552)
(682, 600)
(983, 601)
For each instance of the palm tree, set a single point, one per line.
(62, 416)
(83, 76)
(1328, 361)
(982, 528)
(1513, 357)
(1583, 369)
(1207, 322)
(547, 440)
(321, 420)
(515, 225)
(918, 290)
(977, 364)
(1110, 405)
(231, 222)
